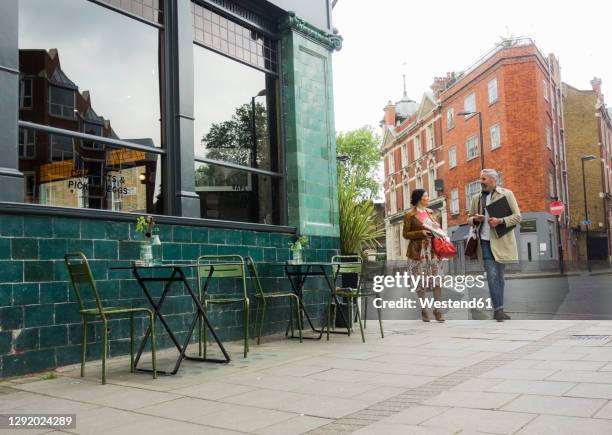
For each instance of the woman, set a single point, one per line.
(421, 258)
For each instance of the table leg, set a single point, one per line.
(331, 287)
(298, 290)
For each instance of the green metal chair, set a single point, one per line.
(345, 265)
(372, 267)
(262, 296)
(222, 267)
(82, 279)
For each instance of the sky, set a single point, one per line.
(385, 39)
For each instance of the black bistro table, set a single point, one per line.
(297, 273)
(177, 275)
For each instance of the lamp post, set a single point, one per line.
(469, 113)
(586, 209)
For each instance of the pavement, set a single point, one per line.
(458, 377)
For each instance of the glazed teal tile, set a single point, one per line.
(37, 271)
(6, 340)
(216, 236)
(5, 248)
(26, 339)
(66, 313)
(107, 249)
(11, 318)
(256, 253)
(283, 254)
(93, 229)
(181, 234)
(6, 295)
(269, 254)
(129, 250)
(199, 235)
(53, 292)
(129, 289)
(66, 228)
(209, 249)
(53, 336)
(249, 238)
(60, 272)
(37, 226)
(99, 269)
(38, 315)
(109, 289)
(190, 251)
(117, 230)
(22, 249)
(84, 246)
(52, 249)
(234, 237)
(28, 362)
(26, 294)
(11, 225)
(165, 233)
(171, 251)
(11, 271)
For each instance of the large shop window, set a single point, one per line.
(90, 69)
(236, 135)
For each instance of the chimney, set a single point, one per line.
(596, 85)
(441, 83)
(389, 114)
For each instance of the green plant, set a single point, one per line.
(299, 243)
(358, 228)
(145, 225)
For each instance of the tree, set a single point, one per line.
(362, 146)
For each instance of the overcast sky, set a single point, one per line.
(384, 39)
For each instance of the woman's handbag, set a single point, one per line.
(443, 248)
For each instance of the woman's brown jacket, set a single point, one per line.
(413, 231)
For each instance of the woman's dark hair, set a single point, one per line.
(416, 196)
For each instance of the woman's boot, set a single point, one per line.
(437, 292)
(421, 297)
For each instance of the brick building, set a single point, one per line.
(589, 133)
(512, 95)
(412, 140)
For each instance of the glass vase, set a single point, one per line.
(146, 252)
(297, 256)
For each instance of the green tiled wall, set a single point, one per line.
(309, 136)
(39, 321)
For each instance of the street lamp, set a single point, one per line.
(469, 113)
(586, 210)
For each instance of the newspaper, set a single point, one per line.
(436, 231)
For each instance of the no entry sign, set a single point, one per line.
(557, 208)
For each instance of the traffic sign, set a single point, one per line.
(587, 222)
(557, 208)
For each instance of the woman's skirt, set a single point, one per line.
(429, 266)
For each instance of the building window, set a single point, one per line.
(419, 179)
(404, 156)
(27, 143)
(471, 189)
(450, 118)
(102, 74)
(430, 137)
(431, 180)
(495, 136)
(492, 90)
(454, 206)
(393, 200)
(25, 93)
(391, 163)
(452, 157)
(469, 103)
(551, 185)
(417, 147)
(545, 86)
(548, 137)
(406, 193)
(472, 147)
(61, 102)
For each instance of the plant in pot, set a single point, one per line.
(150, 247)
(296, 248)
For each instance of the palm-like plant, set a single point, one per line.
(358, 228)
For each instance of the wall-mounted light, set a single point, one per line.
(142, 177)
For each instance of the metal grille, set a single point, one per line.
(235, 40)
(151, 10)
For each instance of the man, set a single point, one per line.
(495, 251)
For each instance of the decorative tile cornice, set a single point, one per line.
(292, 22)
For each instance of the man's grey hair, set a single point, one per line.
(491, 173)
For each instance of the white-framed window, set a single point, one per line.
(454, 206)
(452, 156)
(471, 189)
(419, 179)
(406, 193)
(450, 118)
(472, 147)
(393, 200)
(25, 93)
(545, 85)
(495, 131)
(391, 163)
(417, 147)
(27, 143)
(61, 102)
(404, 156)
(431, 180)
(492, 90)
(551, 185)
(469, 103)
(548, 137)
(62, 147)
(430, 137)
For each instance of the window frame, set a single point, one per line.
(454, 200)
(26, 145)
(62, 106)
(471, 96)
(450, 115)
(429, 136)
(497, 127)
(416, 147)
(453, 149)
(476, 147)
(490, 100)
(469, 193)
(23, 96)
